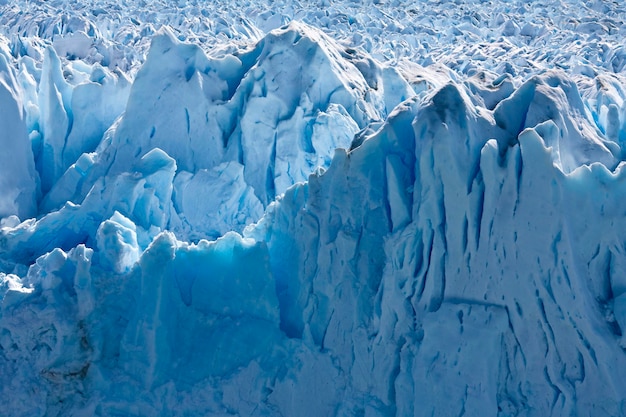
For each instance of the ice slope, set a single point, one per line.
(460, 253)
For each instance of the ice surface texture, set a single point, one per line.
(268, 220)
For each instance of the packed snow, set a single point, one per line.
(330, 208)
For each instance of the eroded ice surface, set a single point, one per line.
(312, 209)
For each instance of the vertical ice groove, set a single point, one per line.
(396, 196)
(421, 275)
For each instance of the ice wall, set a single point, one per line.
(461, 271)
(409, 240)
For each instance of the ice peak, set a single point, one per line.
(553, 97)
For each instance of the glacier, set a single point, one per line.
(317, 209)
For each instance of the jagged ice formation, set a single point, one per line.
(296, 226)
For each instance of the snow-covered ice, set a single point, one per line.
(329, 208)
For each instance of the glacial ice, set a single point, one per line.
(312, 210)
(18, 178)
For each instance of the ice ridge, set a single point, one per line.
(241, 128)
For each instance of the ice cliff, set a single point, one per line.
(295, 228)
